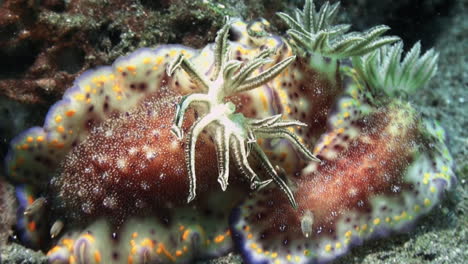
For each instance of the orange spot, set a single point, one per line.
(70, 113)
(181, 227)
(219, 239)
(58, 118)
(131, 68)
(30, 139)
(130, 260)
(40, 138)
(30, 199)
(185, 235)
(60, 129)
(97, 256)
(135, 235)
(178, 253)
(32, 226)
(162, 249)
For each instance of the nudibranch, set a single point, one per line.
(110, 177)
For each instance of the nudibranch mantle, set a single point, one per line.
(108, 179)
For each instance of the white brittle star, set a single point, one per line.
(233, 132)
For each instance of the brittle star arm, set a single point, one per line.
(182, 106)
(268, 167)
(264, 77)
(192, 137)
(240, 156)
(290, 136)
(222, 154)
(190, 69)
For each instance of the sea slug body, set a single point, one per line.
(288, 150)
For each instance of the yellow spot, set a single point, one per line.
(60, 129)
(340, 130)
(338, 245)
(30, 139)
(131, 67)
(119, 97)
(259, 250)
(264, 101)
(159, 60)
(253, 246)
(87, 88)
(348, 234)
(89, 237)
(172, 53)
(328, 248)
(288, 257)
(88, 100)
(427, 202)
(79, 97)
(346, 114)
(147, 243)
(416, 208)
(68, 243)
(116, 88)
(120, 69)
(388, 219)
(71, 260)
(433, 189)
(53, 250)
(40, 138)
(58, 118)
(146, 60)
(274, 255)
(97, 256)
(364, 227)
(376, 221)
(70, 113)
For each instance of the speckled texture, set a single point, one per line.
(441, 236)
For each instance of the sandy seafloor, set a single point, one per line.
(441, 236)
